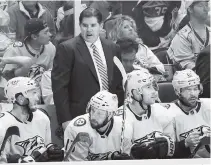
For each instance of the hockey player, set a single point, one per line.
(25, 129)
(192, 115)
(153, 134)
(103, 129)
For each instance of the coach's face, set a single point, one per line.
(90, 29)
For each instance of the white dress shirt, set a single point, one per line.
(98, 44)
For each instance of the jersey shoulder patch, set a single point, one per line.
(18, 44)
(119, 112)
(185, 31)
(80, 122)
(166, 105)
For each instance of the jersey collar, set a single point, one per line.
(29, 119)
(198, 106)
(140, 117)
(107, 132)
(33, 54)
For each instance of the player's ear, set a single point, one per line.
(33, 36)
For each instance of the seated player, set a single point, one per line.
(153, 135)
(192, 115)
(25, 129)
(103, 129)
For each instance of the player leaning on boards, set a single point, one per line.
(192, 115)
(25, 128)
(103, 129)
(153, 135)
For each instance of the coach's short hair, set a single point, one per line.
(91, 12)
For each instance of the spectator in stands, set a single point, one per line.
(66, 25)
(36, 47)
(25, 10)
(60, 13)
(5, 40)
(107, 8)
(203, 70)
(128, 48)
(156, 21)
(192, 38)
(125, 26)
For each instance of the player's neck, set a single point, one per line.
(197, 24)
(137, 108)
(105, 128)
(20, 113)
(34, 45)
(184, 107)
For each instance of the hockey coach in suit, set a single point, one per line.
(82, 67)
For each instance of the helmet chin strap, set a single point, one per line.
(140, 102)
(26, 105)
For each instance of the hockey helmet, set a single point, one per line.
(19, 85)
(185, 78)
(104, 100)
(137, 79)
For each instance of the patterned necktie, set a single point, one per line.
(101, 67)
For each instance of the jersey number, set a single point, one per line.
(161, 10)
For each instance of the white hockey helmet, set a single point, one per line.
(138, 79)
(19, 85)
(185, 78)
(104, 100)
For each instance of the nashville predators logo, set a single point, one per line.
(119, 112)
(31, 144)
(149, 137)
(201, 130)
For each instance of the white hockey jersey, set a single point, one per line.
(101, 146)
(24, 137)
(156, 122)
(43, 58)
(196, 120)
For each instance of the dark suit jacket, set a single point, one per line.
(203, 70)
(74, 79)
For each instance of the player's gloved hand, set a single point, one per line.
(55, 153)
(120, 156)
(27, 159)
(161, 147)
(13, 158)
(143, 150)
(192, 139)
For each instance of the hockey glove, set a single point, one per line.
(13, 158)
(143, 150)
(164, 147)
(55, 153)
(120, 156)
(160, 147)
(27, 159)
